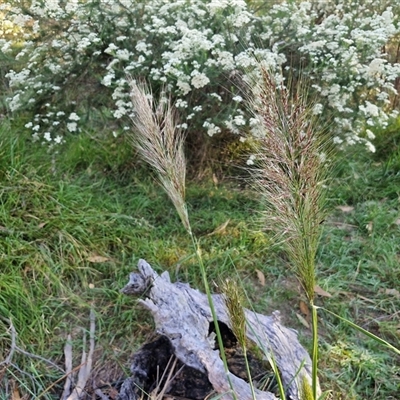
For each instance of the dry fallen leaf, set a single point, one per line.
(260, 277)
(321, 292)
(15, 394)
(393, 292)
(32, 216)
(41, 225)
(113, 393)
(97, 259)
(365, 299)
(397, 222)
(345, 209)
(303, 321)
(215, 179)
(221, 229)
(304, 308)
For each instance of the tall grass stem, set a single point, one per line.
(159, 140)
(290, 175)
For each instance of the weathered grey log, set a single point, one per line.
(183, 315)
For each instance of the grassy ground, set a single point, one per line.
(74, 224)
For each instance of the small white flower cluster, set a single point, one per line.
(52, 121)
(202, 52)
(212, 129)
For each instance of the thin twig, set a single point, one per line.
(59, 380)
(68, 368)
(22, 372)
(100, 394)
(14, 348)
(13, 345)
(86, 363)
(169, 379)
(26, 353)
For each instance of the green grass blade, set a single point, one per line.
(365, 332)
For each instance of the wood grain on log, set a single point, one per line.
(183, 315)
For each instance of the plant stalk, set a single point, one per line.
(314, 322)
(253, 393)
(212, 308)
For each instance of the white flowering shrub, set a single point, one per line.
(347, 60)
(75, 56)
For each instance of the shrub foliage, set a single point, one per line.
(72, 58)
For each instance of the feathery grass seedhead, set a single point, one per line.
(234, 298)
(306, 392)
(291, 170)
(234, 303)
(160, 142)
